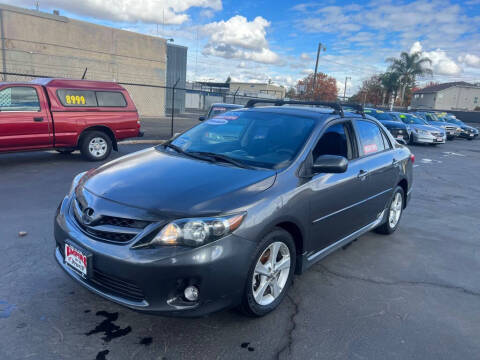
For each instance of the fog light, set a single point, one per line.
(191, 293)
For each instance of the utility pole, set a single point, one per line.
(316, 65)
(345, 88)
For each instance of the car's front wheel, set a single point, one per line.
(270, 273)
(393, 212)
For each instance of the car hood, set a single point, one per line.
(162, 183)
(393, 124)
(425, 127)
(437, 124)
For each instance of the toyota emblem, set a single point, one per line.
(87, 216)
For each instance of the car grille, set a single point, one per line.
(450, 128)
(108, 228)
(437, 134)
(115, 286)
(112, 285)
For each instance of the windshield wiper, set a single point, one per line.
(183, 152)
(223, 158)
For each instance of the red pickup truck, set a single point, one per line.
(66, 115)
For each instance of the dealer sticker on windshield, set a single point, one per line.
(76, 259)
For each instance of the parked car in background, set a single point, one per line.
(432, 119)
(467, 132)
(197, 226)
(66, 115)
(397, 128)
(420, 131)
(219, 108)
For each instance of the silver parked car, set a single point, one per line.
(421, 132)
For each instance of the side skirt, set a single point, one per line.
(312, 259)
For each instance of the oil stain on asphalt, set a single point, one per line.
(245, 345)
(108, 328)
(102, 355)
(146, 341)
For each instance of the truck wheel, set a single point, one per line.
(270, 274)
(96, 146)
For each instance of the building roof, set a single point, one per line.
(440, 87)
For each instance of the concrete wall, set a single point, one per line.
(177, 70)
(43, 44)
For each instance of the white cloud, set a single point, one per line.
(441, 63)
(148, 11)
(470, 60)
(238, 38)
(305, 56)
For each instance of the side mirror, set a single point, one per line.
(330, 164)
(201, 118)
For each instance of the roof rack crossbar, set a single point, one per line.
(334, 105)
(358, 107)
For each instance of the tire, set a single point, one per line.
(389, 226)
(261, 303)
(65, 151)
(96, 146)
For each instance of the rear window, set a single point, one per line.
(19, 98)
(110, 98)
(90, 98)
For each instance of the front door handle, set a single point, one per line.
(362, 174)
(38, 119)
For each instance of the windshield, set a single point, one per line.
(217, 110)
(411, 119)
(432, 117)
(382, 116)
(254, 138)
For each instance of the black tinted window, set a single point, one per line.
(370, 135)
(111, 98)
(77, 97)
(19, 98)
(333, 142)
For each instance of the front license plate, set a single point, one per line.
(451, 133)
(471, 135)
(76, 259)
(440, 139)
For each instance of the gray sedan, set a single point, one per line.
(421, 132)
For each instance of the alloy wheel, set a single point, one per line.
(396, 208)
(271, 273)
(97, 147)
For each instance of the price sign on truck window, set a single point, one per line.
(74, 100)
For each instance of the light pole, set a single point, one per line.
(320, 48)
(345, 88)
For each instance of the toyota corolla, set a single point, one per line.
(224, 214)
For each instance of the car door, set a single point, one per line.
(382, 168)
(337, 200)
(24, 124)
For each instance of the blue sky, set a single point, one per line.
(277, 39)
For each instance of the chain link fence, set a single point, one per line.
(164, 110)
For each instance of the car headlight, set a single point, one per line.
(197, 231)
(75, 181)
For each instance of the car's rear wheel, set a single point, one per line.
(270, 273)
(96, 146)
(393, 212)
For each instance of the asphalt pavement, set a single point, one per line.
(412, 295)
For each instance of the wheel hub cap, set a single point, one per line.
(395, 210)
(97, 147)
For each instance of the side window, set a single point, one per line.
(19, 98)
(110, 99)
(77, 98)
(371, 138)
(334, 141)
(386, 141)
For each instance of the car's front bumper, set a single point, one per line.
(427, 139)
(153, 280)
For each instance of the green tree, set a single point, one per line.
(391, 83)
(408, 67)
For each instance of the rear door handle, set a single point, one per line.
(38, 119)
(362, 174)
